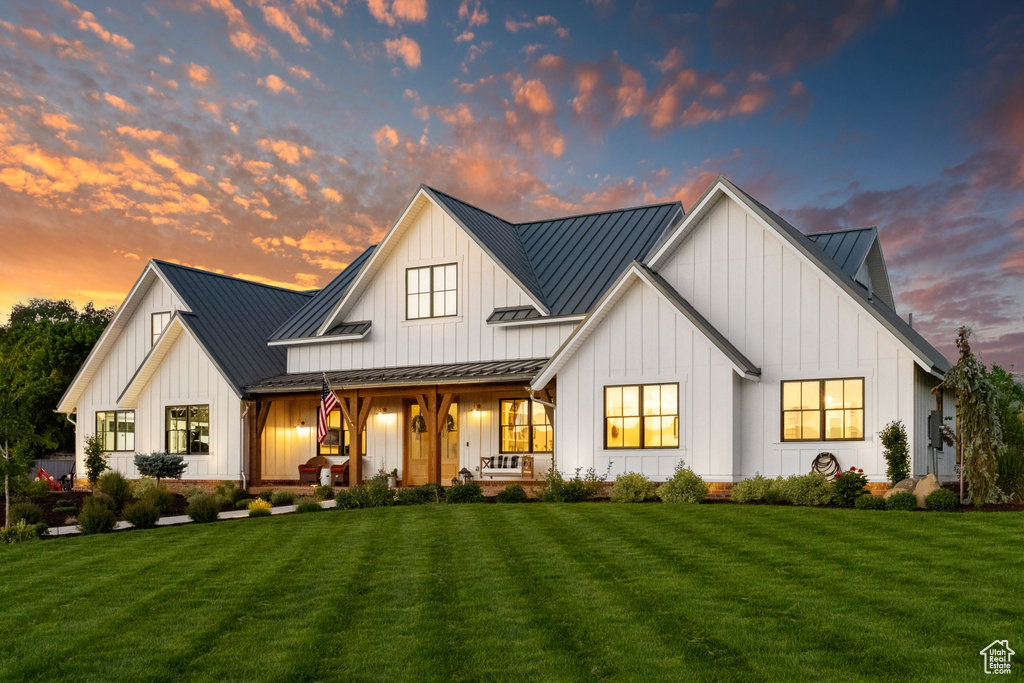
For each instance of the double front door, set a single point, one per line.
(417, 468)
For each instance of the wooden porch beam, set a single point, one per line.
(355, 448)
(346, 412)
(364, 412)
(442, 412)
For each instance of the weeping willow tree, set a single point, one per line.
(979, 433)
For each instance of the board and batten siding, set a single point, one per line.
(794, 322)
(923, 459)
(433, 238)
(645, 340)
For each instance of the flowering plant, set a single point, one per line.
(848, 486)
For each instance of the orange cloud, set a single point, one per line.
(59, 122)
(391, 13)
(276, 85)
(287, 151)
(470, 11)
(148, 135)
(86, 21)
(201, 76)
(277, 18)
(404, 48)
(117, 103)
(331, 195)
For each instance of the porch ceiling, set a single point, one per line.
(454, 373)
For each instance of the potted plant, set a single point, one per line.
(393, 478)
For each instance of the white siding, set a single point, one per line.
(433, 238)
(924, 402)
(793, 322)
(645, 340)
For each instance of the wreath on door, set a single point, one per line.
(450, 424)
(419, 424)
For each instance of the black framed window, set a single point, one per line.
(188, 429)
(159, 322)
(525, 427)
(823, 409)
(339, 437)
(431, 291)
(116, 428)
(641, 416)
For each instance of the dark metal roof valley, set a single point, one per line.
(453, 373)
(848, 247)
(308, 319)
(232, 318)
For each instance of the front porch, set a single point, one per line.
(399, 420)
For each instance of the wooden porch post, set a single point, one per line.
(355, 409)
(257, 423)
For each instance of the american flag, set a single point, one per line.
(328, 402)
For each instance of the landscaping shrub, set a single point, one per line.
(191, 492)
(230, 492)
(632, 487)
(468, 492)
(267, 495)
(160, 465)
(95, 459)
(848, 486)
(324, 492)
(777, 493)
(344, 500)
(259, 508)
(904, 500)
(41, 529)
(203, 509)
(117, 487)
(105, 499)
(244, 503)
(65, 507)
(142, 514)
(30, 513)
(870, 503)
(554, 489)
(942, 500)
(282, 498)
(36, 489)
(18, 532)
(1010, 472)
(96, 516)
(513, 493)
(684, 487)
(807, 489)
(897, 453)
(307, 505)
(161, 499)
(142, 486)
(750, 490)
(370, 494)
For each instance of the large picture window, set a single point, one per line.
(525, 427)
(116, 428)
(431, 292)
(339, 438)
(641, 416)
(160, 322)
(823, 410)
(188, 429)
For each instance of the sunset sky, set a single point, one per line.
(275, 140)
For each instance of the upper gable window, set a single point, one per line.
(430, 292)
(160, 322)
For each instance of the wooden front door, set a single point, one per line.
(416, 463)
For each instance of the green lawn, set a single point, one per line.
(549, 592)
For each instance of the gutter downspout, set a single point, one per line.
(245, 451)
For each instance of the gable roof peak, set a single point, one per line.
(202, 271)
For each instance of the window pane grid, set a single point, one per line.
(188, 430)
(823, 410)
(116, 430)
(524, 427)
(642, 416)
(431, 292)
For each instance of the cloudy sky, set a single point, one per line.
(276, 139)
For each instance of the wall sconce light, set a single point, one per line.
(300, 424)
(476, 408)
(382, 411)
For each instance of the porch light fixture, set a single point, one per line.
(476, 408)
(382, 411)
(465, 475)
(300, 424)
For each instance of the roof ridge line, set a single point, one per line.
(304, 292)
(595, 213)
(472, 206)
(837, 230)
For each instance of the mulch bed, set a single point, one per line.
(52, 500)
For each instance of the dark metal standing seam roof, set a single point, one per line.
(848, 247)
(307, 320)
(492, 371)
(232, 318)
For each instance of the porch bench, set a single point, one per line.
(507, 465)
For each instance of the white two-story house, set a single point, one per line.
(630, 339)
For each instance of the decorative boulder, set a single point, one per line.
(927, 485)
(907, 485)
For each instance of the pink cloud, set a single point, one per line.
(406, 49)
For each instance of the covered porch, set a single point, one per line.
(427, 423)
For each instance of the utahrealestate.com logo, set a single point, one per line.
(997, 657)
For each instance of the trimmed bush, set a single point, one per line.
(230, 492)
(370, 494)
(30, 513)
(204, 509)
(870, 503)
(244, 503)
(848, 486)
(19, 532)
(36, 489)
(160, 465)
(513, 493)
(896, 451)
(468, 492)
(579, 489)
(96, 517)
(142, 486)
(777, 493)
(161, 499)
(307, 505)
(191, 492)
(267, 495)
(632, 487)
(142, 514)
(117, 487)
(904, 500)
(259, 508)
(806, 489)
(65, 507)
(324, 492)
(942, 500)
(41, 529)
(95, 458)
(684, 487)
(750, 490)
(282, 498)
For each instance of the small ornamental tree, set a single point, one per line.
(979, 431)
(95, 459)
(160, 466)
(897, 452)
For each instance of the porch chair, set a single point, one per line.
(339, 474)
(309, 473)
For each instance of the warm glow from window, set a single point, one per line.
(823, 410)
(642, 416)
